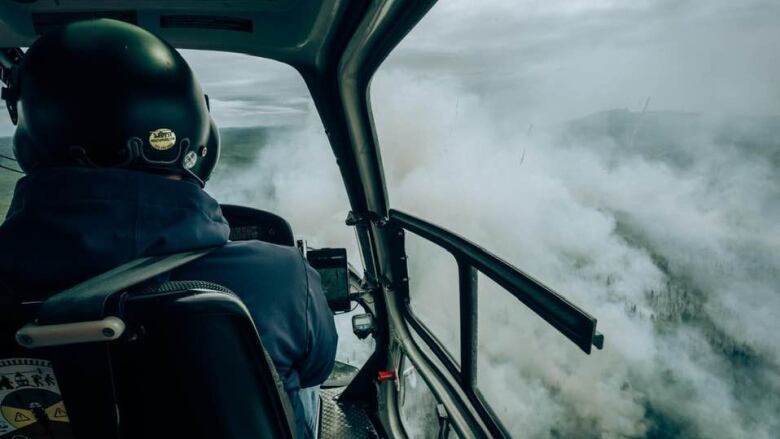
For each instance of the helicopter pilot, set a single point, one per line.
(116, 140)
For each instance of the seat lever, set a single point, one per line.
(37, 336)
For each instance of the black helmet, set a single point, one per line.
(109, 94)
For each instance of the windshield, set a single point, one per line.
(627, 154)
(275, 156)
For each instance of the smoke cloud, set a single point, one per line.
(624, 153)
(526, 126)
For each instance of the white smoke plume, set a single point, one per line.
(677, 263)
(661, 221)
(497, 119)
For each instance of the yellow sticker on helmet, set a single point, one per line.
(162, 139)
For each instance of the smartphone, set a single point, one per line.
(331, 263)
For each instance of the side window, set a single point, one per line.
(416, 402)
(513, 343)
(517, 361)
(351, 349)
(433, 291)
(421, 414)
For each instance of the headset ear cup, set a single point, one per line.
(211, 156)
(205, 156)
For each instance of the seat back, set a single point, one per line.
(189, 364)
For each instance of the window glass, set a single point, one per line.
(434, 291)
(352, 350)
(518, 359)
(625, 153)
(275, 156)
(417, 403)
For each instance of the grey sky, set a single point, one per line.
(247, 91)
(550, 60)
(565, 59)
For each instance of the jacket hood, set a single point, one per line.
(68, 224)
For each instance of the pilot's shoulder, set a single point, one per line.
(248, 266)
(260, 253)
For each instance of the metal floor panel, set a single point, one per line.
(343, 420)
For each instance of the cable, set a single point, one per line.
(3, 156)
(346, 312)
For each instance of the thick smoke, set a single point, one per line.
(529, 131)
(525, 125)
(661, 220)
(663, 224)
(678, 263)
(672, 247)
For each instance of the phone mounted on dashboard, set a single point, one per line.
(331, 264)
(247, 224)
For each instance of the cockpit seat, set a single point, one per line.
(178, 359)
(149, 360)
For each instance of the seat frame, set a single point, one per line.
(189, 364)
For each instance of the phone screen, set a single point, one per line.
(331, 264)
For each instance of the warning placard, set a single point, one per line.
(31, 405)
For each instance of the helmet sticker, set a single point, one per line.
(162, 139)
(190, 160)
(29, 398)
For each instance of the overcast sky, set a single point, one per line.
(553, 60)
(556, 60)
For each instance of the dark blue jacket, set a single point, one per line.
(68, 224)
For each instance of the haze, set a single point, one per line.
(625, 153)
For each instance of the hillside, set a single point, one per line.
(674, 137)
